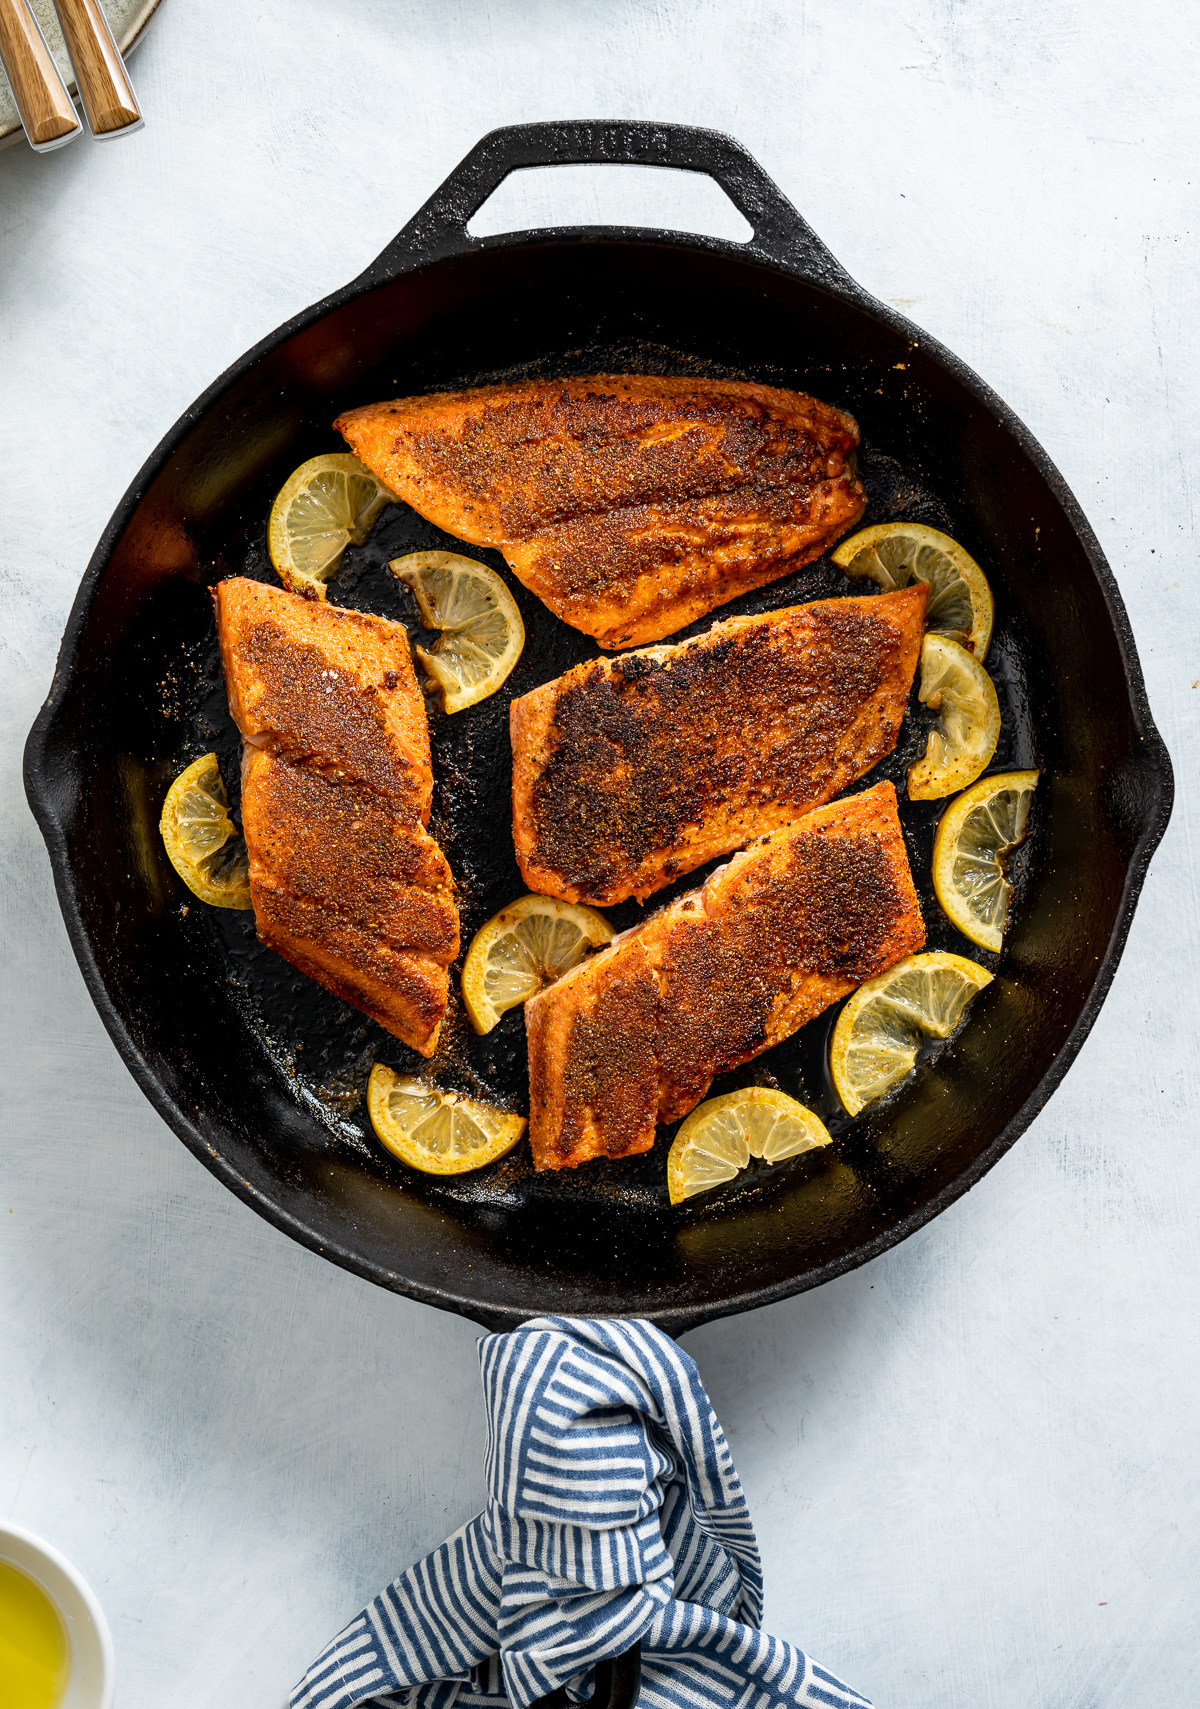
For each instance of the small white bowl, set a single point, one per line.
(93, 1666)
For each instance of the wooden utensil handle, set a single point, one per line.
(39, 91)
(108, 97)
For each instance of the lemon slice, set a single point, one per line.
(896, 553)
(881, 1028)
(327, 504)
(482, 633)
(719, 1138)
(521, 950)
(974, 837)
(954, 683)
(200, 840)
(434, 1131)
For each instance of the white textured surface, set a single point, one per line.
(974, 1464)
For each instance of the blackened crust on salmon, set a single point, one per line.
(829, 910)
(575, 449)
(830, 907)
(584, 559)
(594, 1060)
(324, 719)
(630, 504)
(401, 988)
(650, 752)
(791, 925)
(346, 846)
(346, 882)
(651, 764)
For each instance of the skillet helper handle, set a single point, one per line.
(440, 227)
(41, 95)
(108, 97)
(618, 1684)
(1139, 792)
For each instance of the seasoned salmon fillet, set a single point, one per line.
(630, 772)
(637, 1033)
(347, 883)
(630, 504)
(593, 1069)
(331, 689)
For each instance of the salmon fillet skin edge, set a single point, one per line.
(629, 772)
(636, 1033)
(630, 504)
(346, 882)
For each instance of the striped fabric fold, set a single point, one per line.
(615, 1514)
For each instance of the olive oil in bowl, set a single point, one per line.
(35, 1654)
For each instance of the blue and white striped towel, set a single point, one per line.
(614, 1514)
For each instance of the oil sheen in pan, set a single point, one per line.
(324, 1049)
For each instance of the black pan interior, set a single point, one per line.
(263, 1072)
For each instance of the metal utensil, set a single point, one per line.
(46, 110)
(109, 102)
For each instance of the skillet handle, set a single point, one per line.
(1139, 792)
(440, 228)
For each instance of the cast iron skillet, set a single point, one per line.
(260, 1073)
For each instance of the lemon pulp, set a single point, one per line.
(974, 837)
(35, 1654)
(954, 683)
(718, 1139)
(896, 553)
(325, 505)
(881, 1029)
(438, 1132)
(482, 634)
(200, 840)
(524, 948)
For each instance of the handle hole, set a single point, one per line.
(663, 196)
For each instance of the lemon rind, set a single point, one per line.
(934, 777)
(456, 696)
(945, 839)
(840, 1040)
(297, 580)
(511, 1129)
(213, 895)
(817, 1135)
(983, 609)
(478, 1004)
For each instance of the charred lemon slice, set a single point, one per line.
(954, 683)
(434, 1131)
(896, 553)
(719, 1138)
(524, 948)
(329, 503)
(975, 836)
(481, 630)
(200, 840)
(885, 1022)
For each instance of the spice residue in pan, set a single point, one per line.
(324, 1050)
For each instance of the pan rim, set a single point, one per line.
(676, 1320)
